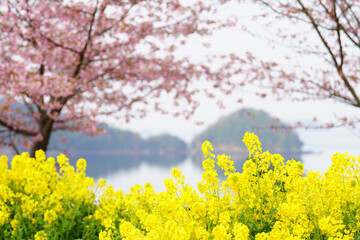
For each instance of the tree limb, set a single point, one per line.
(356, 103)
(16, 130)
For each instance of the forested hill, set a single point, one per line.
(116, 141)
(226, 135)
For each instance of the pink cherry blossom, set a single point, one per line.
(66, 62)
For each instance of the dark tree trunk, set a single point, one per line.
(45, 126)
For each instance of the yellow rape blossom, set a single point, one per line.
(220, 233)
(270, 199)
(81, 165)
(15, 224)
(207, 148)
(50, 216)
(41, 235)
(62, 160)
(240, 231)
(4, 214)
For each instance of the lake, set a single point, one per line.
(124, 172)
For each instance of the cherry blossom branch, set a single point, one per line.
(17, 130)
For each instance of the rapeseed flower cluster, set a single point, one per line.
(269, 199)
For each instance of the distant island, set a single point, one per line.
(226, 134)
(117, 141)
(118, 149)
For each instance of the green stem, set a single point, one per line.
(72, 221)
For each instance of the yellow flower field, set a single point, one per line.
(270, 199)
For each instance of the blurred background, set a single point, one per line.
(147, 153)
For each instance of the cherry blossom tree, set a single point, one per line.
(323, 61)
(63, 63)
